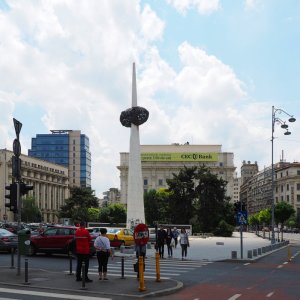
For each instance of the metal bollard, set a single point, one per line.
(289, 254)
(26, 271)
(12, 252)
(83, 277)
(141, 274)
(71, 265)
(157, 266)
(122, 268)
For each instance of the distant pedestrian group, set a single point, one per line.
(170, 237)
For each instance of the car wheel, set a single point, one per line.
(31, 250)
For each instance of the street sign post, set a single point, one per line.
(141, 234)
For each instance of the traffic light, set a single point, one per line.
(237, 206)
(25, 188)
(12, 196)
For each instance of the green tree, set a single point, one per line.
(30, 212)
(76, 207)
(114, 214)
(282, 212)
(157, 206)
(198, 197)
(253, 221)
(212, 202)
(264, 217)
(93, 214)
(182, 195)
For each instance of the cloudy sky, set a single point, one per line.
(208, 71)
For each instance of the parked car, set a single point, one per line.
(8, 240)
(120, 236)
(57, 239)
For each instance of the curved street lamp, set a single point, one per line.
(283, 126)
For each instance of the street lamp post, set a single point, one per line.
(275, 119)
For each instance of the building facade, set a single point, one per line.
(256, 191)
(49, 181)
(159, 162)
(68, 148)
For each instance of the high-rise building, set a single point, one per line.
(68, 148)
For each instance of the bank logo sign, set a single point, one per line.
(180, 156)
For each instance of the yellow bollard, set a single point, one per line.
(157, 267)
(289, 253)
(141, 274)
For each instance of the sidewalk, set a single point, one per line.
(207, 249)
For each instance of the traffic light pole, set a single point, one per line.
(241, 234)
(19, 225)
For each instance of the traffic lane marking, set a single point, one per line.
(51, 295)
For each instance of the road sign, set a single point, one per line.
(141, 234)
(242, 217)
(18, 126)
(17, 147)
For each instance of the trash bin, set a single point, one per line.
(23, 241)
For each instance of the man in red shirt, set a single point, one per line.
(83, 239)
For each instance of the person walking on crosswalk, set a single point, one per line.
(184, 243)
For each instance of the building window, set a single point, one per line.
(287, 173)
(73, 148)
(298, 186)
(287, 187)
(298, 198)
(145, 181)
(298, 172)
(160, 182)
(73, 142)
(282, 188)
(73, 174)
(287, 198)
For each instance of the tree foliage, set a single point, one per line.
(76, 207)
(30, 212)
(157, 206)
(114, 214)
(194, 196)
(283, 211)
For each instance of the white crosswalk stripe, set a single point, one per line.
(168, 268)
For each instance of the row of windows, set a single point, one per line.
(160, 182)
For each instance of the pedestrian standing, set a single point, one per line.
(169, 239)
(161, 239)
(102, 246)
(175, 236)
(140, 250)
(184, 243)
(83, 238)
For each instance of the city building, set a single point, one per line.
(256, 191)
(159, 162)
(236, 189)
(68, 148)
(111, 196)
(49, 181)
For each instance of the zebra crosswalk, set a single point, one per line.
(169, 268)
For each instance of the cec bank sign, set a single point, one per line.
(180, 156)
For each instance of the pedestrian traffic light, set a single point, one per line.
(25, 188)
(12, 196)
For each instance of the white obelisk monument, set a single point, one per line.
(132, 118)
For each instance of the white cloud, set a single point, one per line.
(73, 61)
(204, 7)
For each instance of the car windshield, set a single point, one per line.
(113, 230)
(4, 232)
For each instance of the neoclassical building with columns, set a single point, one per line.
(50, 184)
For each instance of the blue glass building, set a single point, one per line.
(68, 148)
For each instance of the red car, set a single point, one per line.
(57, 239)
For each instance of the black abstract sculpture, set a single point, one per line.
(135, 115)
